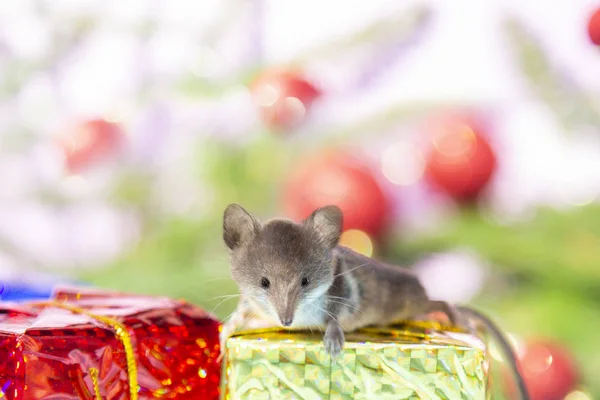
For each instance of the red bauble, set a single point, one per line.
(339, 179)
(549, 370)
(594, 27)
(90, 142)
(460, 161)
(284, 98)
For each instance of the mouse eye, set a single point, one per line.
(304, 281)
(265, 283)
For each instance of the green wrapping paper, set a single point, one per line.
(412, 360)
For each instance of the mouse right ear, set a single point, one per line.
(327, 223)
(238, 226)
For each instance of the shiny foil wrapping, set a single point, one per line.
(405, 361)
(89, 344)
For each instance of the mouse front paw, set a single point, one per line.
(334, 339)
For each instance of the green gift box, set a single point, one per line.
(412, 360)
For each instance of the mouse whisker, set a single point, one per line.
(316, 323)
(350, 270)
(344, 250)
(251, 315)
(346, 299)
(337, 297)
(313, 315)
(219, 304)
(228, 297)
(339, 300)
(328, 313)
(215, 279)
(227, 318)
(346, 304)
(231, 296)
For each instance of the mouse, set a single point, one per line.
(297, 275)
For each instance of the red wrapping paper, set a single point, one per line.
(49, 352)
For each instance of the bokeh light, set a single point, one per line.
(456, 142)
(578, 395)
(357, 241)
(403, 163)
(283, 97)
(266, 95)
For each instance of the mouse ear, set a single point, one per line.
(327, 223)
(238, 226)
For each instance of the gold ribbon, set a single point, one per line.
(95, 381)
(400, 328)
(122, 335)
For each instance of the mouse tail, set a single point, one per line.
(507, 349)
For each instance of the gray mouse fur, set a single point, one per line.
(295, 275)
(342, 290)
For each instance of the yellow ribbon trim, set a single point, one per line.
(95, 382)
(388, 330)
(120, 332)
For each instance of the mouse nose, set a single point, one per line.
(286, 321)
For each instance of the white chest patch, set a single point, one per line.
(310, 314)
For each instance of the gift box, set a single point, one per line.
(90, 344)
(412, 360)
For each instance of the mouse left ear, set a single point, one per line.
(327, 223)
(238, 226)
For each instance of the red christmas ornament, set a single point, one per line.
(460, 161)
(284, 98)
(549, 370)
(90, 142)
(594, 27)
(338, 179)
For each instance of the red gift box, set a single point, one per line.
(91, 344)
